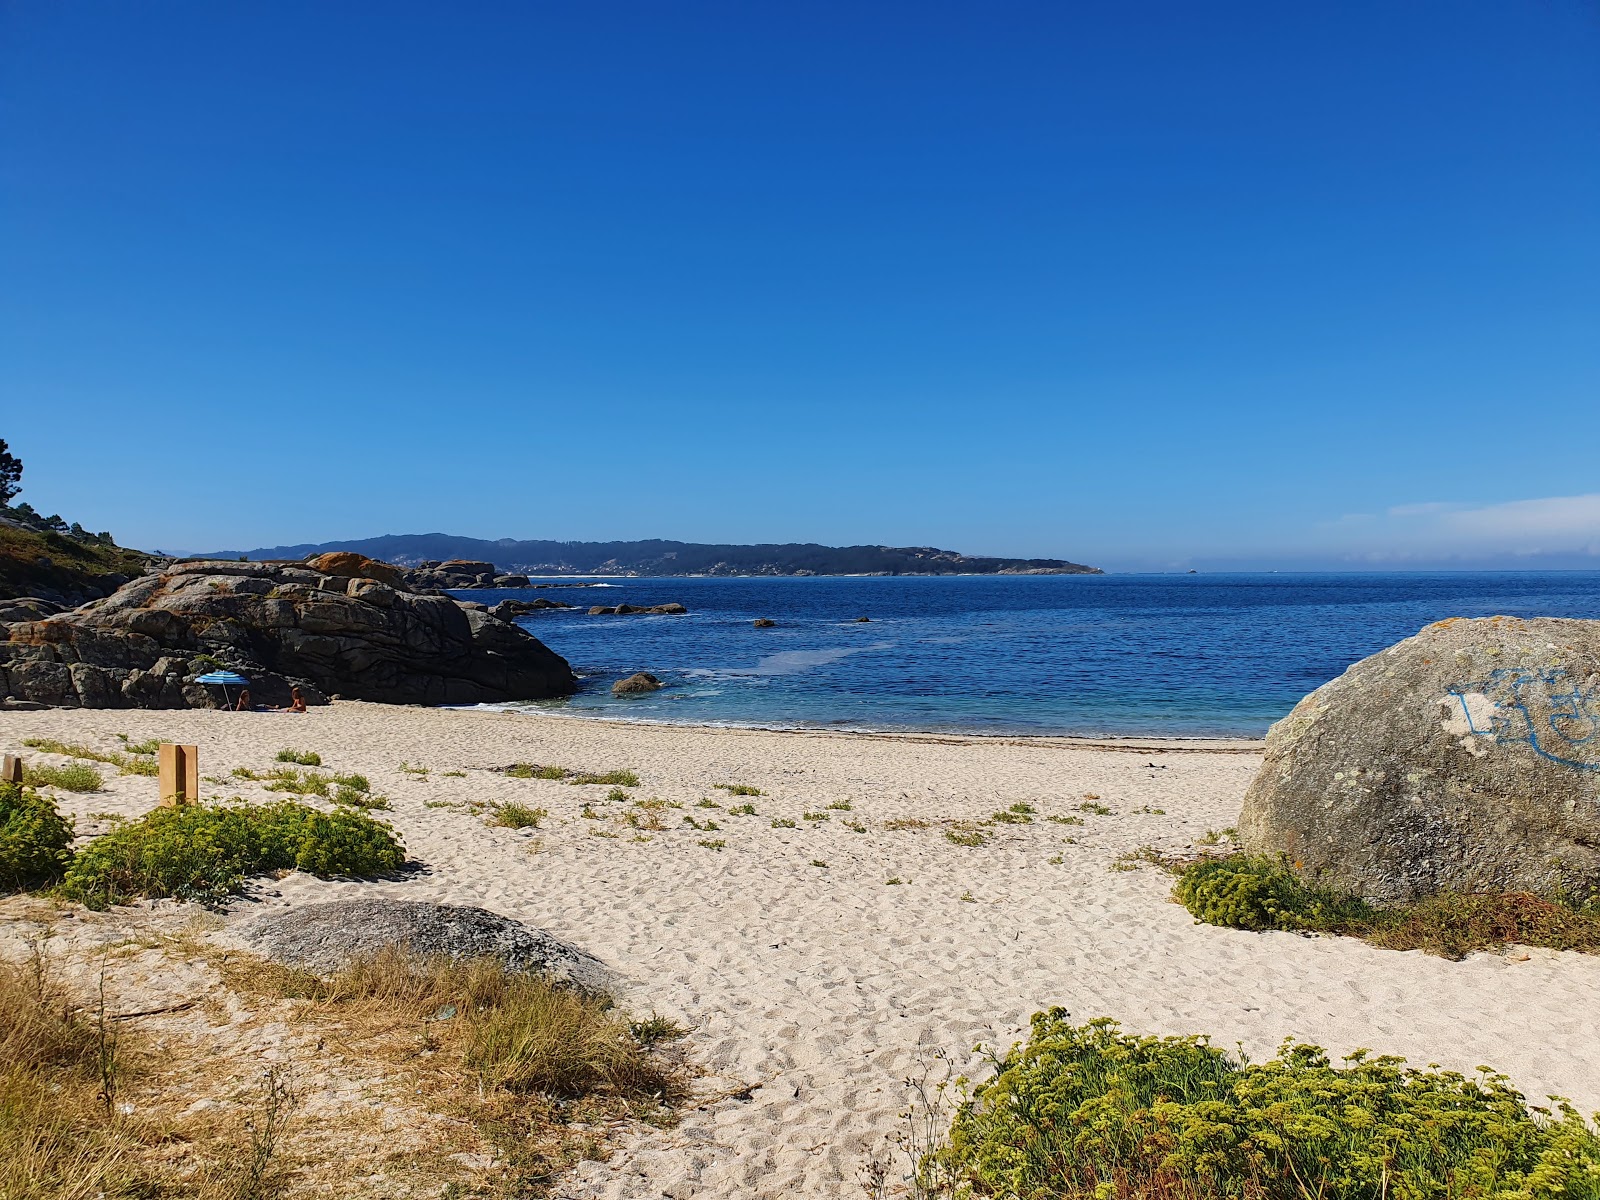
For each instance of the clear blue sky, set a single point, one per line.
(1139, 284)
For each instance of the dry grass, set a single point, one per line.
(65, 1132)
(461, 1058)
(529, 1066)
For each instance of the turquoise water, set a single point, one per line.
(1152, 655)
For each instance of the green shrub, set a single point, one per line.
(148, 746)
(1245, 892)
(203, 853)
(1082, 1112)
(74, 777)
(304, 758)
(359, 783)
(743, 810)
(35, 839)
(739, 789)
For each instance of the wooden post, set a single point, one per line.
(179, 768)
(11, 769)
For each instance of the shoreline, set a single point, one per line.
(1131, 743)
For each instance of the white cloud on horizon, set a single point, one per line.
(1440, 530)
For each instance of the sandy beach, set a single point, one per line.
(817, 966)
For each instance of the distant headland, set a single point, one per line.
(656, 557)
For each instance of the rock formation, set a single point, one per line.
(328, 626)
(637, 685)
(1466, 758)
(509, 610)
(324, 937)
(460, 573)
(624, 610)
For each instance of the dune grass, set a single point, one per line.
(64, 1131)
(1248, 892)
(534, 1067)
(1086, 1112)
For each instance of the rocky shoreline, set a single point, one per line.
(339, 624)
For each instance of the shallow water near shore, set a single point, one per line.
(1109, 655)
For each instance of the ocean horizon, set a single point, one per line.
(1117, 655)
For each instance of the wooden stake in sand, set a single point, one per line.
(11, 769)
(180, 774)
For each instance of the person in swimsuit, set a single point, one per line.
(297, 702)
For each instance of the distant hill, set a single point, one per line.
(672, 558)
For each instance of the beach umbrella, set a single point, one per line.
(224, 680)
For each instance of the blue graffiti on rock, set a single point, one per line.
(1545, 710)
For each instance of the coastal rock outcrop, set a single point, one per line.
(669, 610)
(1466, 758)
(509, 610)
(637, 685)
(278, 624)
(324, 937)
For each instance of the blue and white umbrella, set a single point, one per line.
(224, 680)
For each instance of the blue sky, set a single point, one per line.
(1144, 285)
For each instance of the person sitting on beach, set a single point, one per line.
(297, 702)
(244, 704)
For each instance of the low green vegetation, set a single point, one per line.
(966, 836)
(74, 777)
(814, 816)
(360, 799)
(303, 758)
(743, 810)
(1098, 809)
(713, 843)
(621, 779)
(1060, 820)
(205, 852)
(1010, 816)
(782, 823)
(1247, 892)
(1086, 1112)
(739, 789)
(351, 780)
(518, 816)
(135, 762)
(35, 839)
(535, 771)
(616, 795)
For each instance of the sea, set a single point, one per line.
(1181, 656)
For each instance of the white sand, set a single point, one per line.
(824, 987)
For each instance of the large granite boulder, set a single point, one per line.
(1466, 758)
(279, 624)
